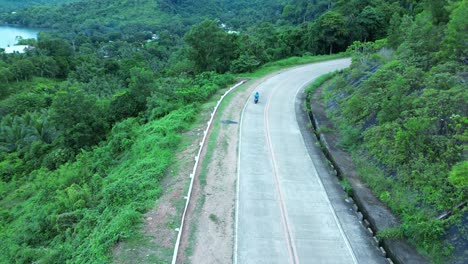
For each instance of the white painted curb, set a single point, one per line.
(195, 167)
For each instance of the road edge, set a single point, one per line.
(376, 215)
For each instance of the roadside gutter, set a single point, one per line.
(376, 216)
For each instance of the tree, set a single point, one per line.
(456, 34)
(394, 35)
(78, 117)
(46, 66)
(300, 11)
(245, 63)
(59, 49)
(331, 30)
(23, 69)
(288, 11)
(211, 48)
(413, 50)
(372, 21)
(439, 13)
(5, 76)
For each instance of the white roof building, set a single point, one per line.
(16, 49)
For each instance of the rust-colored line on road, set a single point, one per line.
(293, 258)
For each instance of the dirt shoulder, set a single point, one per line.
(209, 235)
(156, 241)
(374, 211)
(209, 230)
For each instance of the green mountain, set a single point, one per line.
(127, 15)
(14, 5)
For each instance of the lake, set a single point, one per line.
(8, 34)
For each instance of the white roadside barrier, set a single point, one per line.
(195, 167)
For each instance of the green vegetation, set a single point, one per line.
(403, 115)
(319, 82)
(214, 218)
(91, 117)
(346, 186)
(14, 5)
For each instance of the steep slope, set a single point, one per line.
(403, 115)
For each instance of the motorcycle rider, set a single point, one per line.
(256, 97)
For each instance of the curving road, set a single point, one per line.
(284, 212)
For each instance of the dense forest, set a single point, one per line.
(91, 117)
(14, 5)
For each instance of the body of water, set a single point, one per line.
(9, 34)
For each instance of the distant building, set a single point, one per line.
(17, 49)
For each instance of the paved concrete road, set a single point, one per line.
(284, 213)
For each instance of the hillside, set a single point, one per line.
(111, 78)
(14, 5)
(402, 113)
(101, 17)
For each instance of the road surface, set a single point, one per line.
(284, 213)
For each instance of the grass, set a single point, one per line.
(347, 187)
(211, 140)
(132, 251)
(371, 174)
(103, 210)
(415, 226)
(310, 90)
(322, 130)
(214, 218)
(194, 227)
